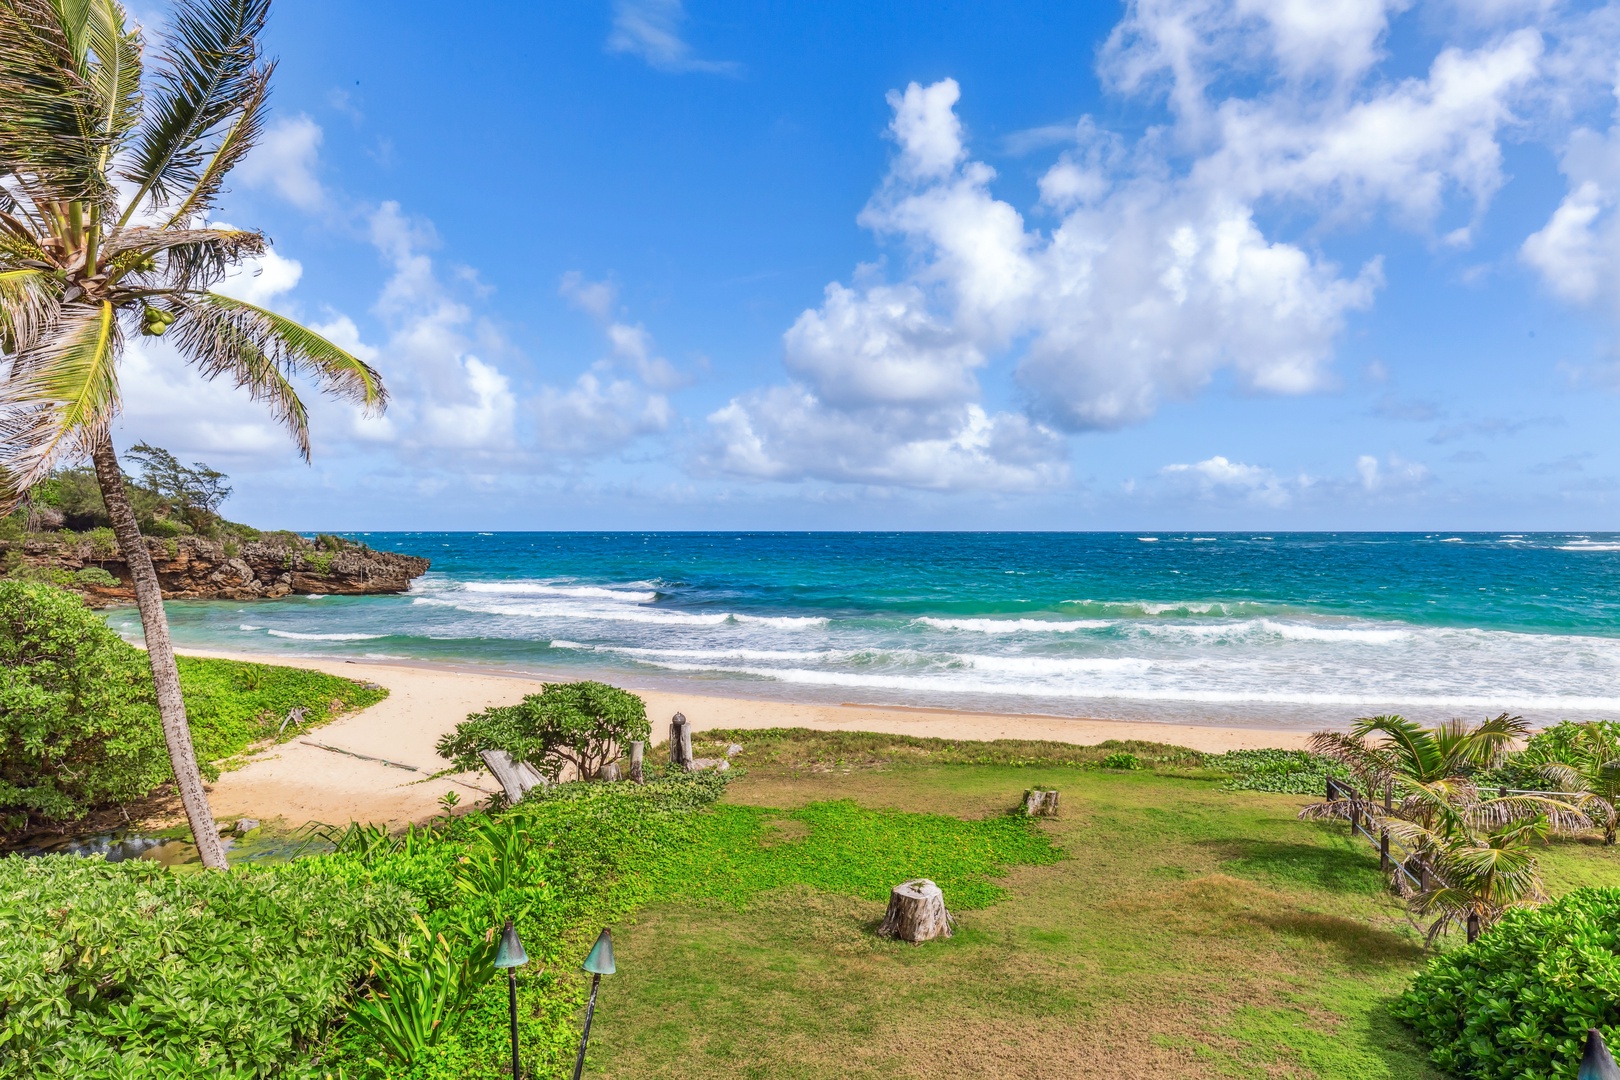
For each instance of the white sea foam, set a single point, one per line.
(783, 622)
(1148, 539)
(324, 637)
(1588, 545)
(1016, 626)
(582, 592)
(1300, 632)
(249, 629)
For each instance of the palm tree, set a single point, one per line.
(1589, 775)
(1430, 765)
(107, 174)
(1475, 878)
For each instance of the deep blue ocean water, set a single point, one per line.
(1239, 628)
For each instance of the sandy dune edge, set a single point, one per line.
(299, 781)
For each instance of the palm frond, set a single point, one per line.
(232, 148)
(225, 336)
(1489, 742)
(206, 75)
(51, 140)
(1562, 815)
(1409, 742)
(116, 74)
(61, 395)
(1365, 763)
(29, 301)
(193, 258)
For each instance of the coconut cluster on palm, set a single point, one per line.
(109, 169)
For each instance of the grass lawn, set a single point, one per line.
(1184, 928)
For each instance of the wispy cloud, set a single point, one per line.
(651, 29)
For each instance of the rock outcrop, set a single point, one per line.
(195, 568)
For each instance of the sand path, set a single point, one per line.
(301, 781)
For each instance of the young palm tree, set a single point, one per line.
(1475, 878)
(1589, 776)
(1430, 765)
(107, 174)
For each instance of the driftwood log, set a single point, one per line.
(636, 749)
(517, 778)
(1041, 802)
(680, 742)
(916, 912)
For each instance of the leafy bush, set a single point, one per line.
(584, 724)
(79, 725)
(1120, 761)
(241, 971)
(78, 719)
(1518, 1002)
(94, 577)
(1286, 772)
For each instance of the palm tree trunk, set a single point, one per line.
(160, 654)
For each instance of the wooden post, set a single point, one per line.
(1473, 927)
(680, 742)
(1383, 850)
(916, 912)
(635, 762)
(1389, 795)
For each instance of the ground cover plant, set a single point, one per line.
(125, 970)
(79, 726)
(1518, 1002)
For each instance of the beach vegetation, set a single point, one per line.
(110, 170)
(1163, 923)
(1580, 762)
(1121, 760)
(1519, 1001)
(128, 970)
(580, 725)
(1282, 772)
(79, 726)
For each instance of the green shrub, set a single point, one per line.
(79, 726)
(240, 971)
(78, 719)
(321, 562)
(583, 724)
(1286, 772)
(1120, 761)
(1518, 1002)
(94, 577)
(166, 527)
(103, 544)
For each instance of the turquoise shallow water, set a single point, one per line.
(1246, 628)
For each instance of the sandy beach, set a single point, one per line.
(316, 777)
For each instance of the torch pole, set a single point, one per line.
(590, 1011)
(511, 986)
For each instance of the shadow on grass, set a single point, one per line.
(1360, 943)
(1336, 869)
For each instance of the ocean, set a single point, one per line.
(1248, 629)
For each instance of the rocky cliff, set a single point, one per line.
(195, 568)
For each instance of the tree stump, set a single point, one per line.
(609, 773)
(517, 778)
(916, 913)
(1041, 802)
(635, 762)
(680, 742)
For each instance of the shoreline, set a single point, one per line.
(313, 777)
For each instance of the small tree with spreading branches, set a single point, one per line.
(583, 724)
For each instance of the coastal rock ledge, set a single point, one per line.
(197, 568)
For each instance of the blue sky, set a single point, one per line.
(1248, 264)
